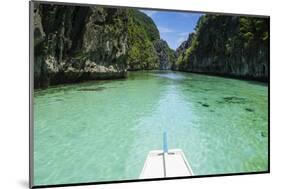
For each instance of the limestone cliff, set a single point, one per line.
(74, 43)
(146, 50)
(233, 46)
(166, 55)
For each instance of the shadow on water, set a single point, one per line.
(232, 100)
(98, 85)
(203, 104)
(264, 84)
(249, 109)
(92, 89)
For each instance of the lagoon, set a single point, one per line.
(103, 130)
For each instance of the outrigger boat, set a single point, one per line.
(166, 163)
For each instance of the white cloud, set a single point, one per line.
(165, 29)
(183, 34)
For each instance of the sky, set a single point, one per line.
(174, 27)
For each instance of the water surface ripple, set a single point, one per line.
(103, 130)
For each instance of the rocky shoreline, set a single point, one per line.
(230, 46)
(225, 75)
(75, 43)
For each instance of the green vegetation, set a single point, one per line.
(144, 21)
(171, 55)
(146, 50)
(72, 44)
(141, 33)
(229, 45)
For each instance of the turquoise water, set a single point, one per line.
(103, 130)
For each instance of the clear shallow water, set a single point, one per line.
(103, 130)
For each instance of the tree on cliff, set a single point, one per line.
(228, 45)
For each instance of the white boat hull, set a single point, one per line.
(161, 165)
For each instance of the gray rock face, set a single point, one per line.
(73, 43)
(230, 46)
(184, 45)
(165, 54)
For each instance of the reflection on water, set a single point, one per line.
(103, 130)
